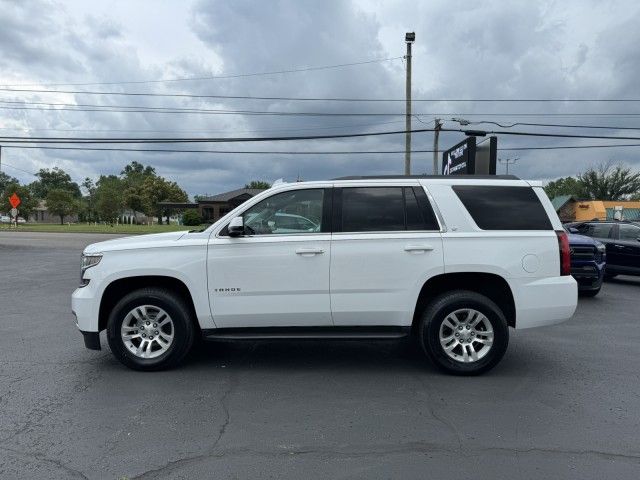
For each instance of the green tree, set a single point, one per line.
(565, 186)
(133, 176)
(55, 178)
(62, 203)
(607, 182)
(109, 200)
(89, 200)
(157, 189)
(258, 184)
(6, 180)
(28, 202)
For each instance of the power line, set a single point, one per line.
(302, 152)
(83, 140)
(326, 99)
(53, 107)
(558, 125)
(211, 77)
(93, 140)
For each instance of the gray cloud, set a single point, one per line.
(463, 49)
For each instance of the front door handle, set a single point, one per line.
(418, 248)
(309, 252)
(619, 246)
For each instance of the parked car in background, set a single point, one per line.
(21, 220)
(5, 219)
(588, 262)
(622, 241)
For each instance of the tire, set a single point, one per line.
(137, 310)
(589, 293)
(610, 276)
(440, 314)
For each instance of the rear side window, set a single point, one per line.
(596, 230)
(383, 209)
(503, 208)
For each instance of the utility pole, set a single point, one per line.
(409, 38)
(508, 161)
(436, 135)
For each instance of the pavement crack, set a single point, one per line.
(71, 472)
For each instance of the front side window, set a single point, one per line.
(294, 212)
(629, 232)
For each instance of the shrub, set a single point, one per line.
(191, 218)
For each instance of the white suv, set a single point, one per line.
(453, 260)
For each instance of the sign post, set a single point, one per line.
(14, 200)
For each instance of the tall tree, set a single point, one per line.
(6, 180)
(158, 189)
(607, 182)
(565, 186)
(89, 200)
(109, 200)
(258, 184)
(56, 178)
(133, 176)
(62, 203)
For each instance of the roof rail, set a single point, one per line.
(401, 177)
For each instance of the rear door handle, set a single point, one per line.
(309, 252)
(418, 248)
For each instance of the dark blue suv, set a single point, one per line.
(588, 262)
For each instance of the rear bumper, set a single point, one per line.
(544, 301)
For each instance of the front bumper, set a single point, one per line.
(588, 275)
(85, 310)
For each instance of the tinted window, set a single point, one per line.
(597, 230)
(629, 232)
(503, 208)
(372, 209)
(298, 211)
(379, 209)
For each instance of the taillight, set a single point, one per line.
(565, 254)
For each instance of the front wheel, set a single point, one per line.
(589, 293)
(150, 329)
(464, 333)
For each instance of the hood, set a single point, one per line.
(576, 239)
(139, 241)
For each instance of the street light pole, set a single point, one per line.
(508, 161)
(409, 38)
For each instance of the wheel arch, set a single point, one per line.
(491, 285)
(120, 287)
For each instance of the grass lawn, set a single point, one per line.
(90, 228)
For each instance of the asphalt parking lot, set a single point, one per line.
(564, 402)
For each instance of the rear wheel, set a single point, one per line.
(464, 333)
(150, 329)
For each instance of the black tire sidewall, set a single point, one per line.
(183, 329)
(436, 313)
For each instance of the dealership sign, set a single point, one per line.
(471, 157)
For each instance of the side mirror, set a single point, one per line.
(236, 227)
(573, 230)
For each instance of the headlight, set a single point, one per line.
(88, 260)
(601, 248)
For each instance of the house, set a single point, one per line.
(41, 214)
(570, 209)
(214, 207)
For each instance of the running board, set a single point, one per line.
(307, 333)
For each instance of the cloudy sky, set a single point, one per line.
(464, 50)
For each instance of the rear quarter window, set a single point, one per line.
(503, 208)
